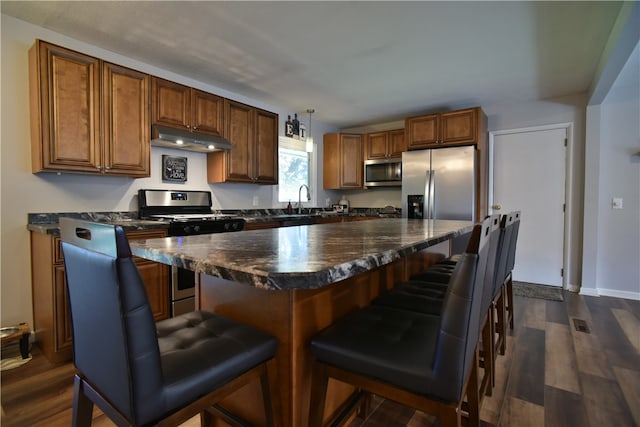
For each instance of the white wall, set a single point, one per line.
(23, 192)
(612, 247)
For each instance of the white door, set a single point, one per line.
(529, 175)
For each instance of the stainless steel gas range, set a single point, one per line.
(188, 213)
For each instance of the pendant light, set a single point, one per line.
(309, 144)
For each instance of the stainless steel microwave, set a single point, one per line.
(383, 172)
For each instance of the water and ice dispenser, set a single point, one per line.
(415, 205)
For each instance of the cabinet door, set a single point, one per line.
(261, 225)
(377, 145)
(331, 161)
(266, 147)
(65, 109)
(397, 143)
(422, 131)
(240, 132)
(155, 278)
(170, 104)
(126, 121)
(351, 161)
(154, 275)
(459, 127)
(62, 316)
(208, 113)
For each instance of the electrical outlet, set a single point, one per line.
(256, 200)
(616, 203)
(327, 202)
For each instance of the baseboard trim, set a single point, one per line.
(597, 292)
(619, 294)
(591, 292)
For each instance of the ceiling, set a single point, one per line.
(355, 63)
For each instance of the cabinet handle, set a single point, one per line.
(107, 168)
(98, 167)
(188, 126)
(195, 127)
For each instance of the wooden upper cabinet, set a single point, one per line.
(239, 160)
(65, 110)
(385, 144)
(458, 127)
(208, 113)
(343, 161)
(87, 116)
(266, 165)
(170, 104)
(377, 145)
(127, 146)
(397, 143)
(181, 107)
(421, 131)
(253, 158)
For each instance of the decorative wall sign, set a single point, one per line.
(288, 127)
(174, 168)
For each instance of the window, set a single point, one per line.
(294, 169)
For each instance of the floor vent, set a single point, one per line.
(581, 326)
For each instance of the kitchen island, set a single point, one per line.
(294, 281)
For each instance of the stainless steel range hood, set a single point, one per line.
(190, 141)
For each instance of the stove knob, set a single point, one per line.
(234, 225)
(196, 228)
(226, 226)
(187, 229)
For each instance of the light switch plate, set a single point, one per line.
(616, 203)
(255, 201)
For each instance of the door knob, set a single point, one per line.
(496, 207)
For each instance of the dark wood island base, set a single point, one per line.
(294, 316)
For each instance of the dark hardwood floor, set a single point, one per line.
(552, 375)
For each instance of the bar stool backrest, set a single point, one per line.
(511, 260)
(493, 246)
(121, 357)
(506, 223)
(459, 327)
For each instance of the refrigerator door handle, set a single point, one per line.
(427, 196)
(432, 194)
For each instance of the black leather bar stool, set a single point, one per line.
(423, 361)
(415, 296)
(499, 293)
(139, 372)
(510, 265)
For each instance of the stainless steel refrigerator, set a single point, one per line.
(439, 183)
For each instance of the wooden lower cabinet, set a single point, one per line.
(319, 220)
(51, 314)
(261, 225)
(154, 275)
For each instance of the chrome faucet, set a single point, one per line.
(300, 197)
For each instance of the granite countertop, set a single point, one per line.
(303, 257)
(47, 223)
